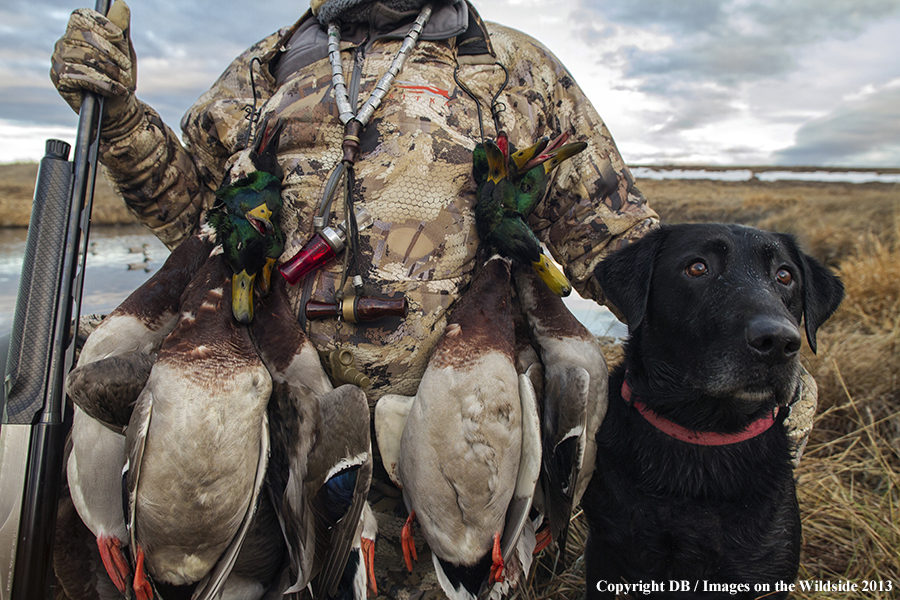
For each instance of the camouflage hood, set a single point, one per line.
(359, 11)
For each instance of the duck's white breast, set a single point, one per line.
(460, 454)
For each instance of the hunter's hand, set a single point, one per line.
(96, 55)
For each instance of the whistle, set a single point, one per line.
(358, 309)
(339, 365)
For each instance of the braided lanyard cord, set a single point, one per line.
(354, 123)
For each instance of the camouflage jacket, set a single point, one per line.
(414, 175)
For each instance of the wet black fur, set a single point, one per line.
(660, 509)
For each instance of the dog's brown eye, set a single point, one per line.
(697, 269)
(784, 276)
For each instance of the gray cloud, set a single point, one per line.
(35, 106)
(732, 41)
(684, 16)
(181, 47)
(718, 49)
(862, 132)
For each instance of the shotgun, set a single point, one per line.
(40, 355)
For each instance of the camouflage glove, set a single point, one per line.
(803, 411)
(96, 55)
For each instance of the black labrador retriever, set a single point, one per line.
(693, 493)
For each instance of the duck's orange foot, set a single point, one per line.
(368, 552)
(114, 561)
(408, 542)
(142, 588)
(543, 538)
(497, 562)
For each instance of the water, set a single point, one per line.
(120, 259)
(729, 175)
(598, 319)
(767, 175)
(829, 176)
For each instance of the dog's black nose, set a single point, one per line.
(773, 339)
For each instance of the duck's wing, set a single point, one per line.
(529, 469)
(563, 435)
(108, 388)
(115, 362)
(94, 475)
(293, 416)
(343, 463)
(575, 397)
(391, 413)
(135, 444)
(210, 586)
(595, 412)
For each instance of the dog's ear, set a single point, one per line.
(822, 291)
(624, 276)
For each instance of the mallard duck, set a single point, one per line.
(198, 437)
(321, 457)
(243, 217)
(573, 401)
(94, 475)
(509, 188)
(111, 372)
(465, 449)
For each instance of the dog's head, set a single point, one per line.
(716, 309)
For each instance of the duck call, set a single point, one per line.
(358, 309)
(324, 245)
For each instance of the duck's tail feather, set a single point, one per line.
(461, 582)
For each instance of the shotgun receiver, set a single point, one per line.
(40, 355)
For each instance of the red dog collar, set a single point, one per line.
(700, 438)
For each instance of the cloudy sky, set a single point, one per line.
(715, 82)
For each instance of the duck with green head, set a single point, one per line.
(244, 219)
(510, 185)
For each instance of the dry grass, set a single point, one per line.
(17, 191)
(849, 478)
(827, 218)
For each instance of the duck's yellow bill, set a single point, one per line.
(523, 156)
(265, 280)
(552, 276)
(497, 168)
(242, 296)
(264, 214)
(564, 153)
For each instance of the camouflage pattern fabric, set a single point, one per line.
(799, 423)
(414, 177)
